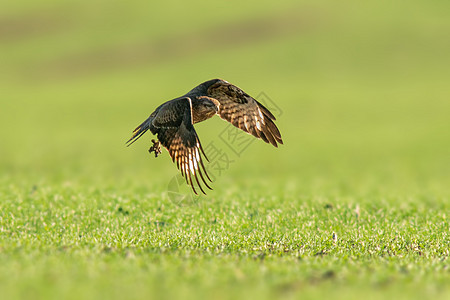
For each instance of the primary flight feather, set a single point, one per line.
(173, 123)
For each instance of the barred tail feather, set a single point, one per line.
(139, 131)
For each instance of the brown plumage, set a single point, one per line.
(173, 123)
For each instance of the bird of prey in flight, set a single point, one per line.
(173, 123)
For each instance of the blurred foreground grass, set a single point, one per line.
(363, 90)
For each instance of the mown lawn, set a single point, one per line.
(76, 241)
(355, 204)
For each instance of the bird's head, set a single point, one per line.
(206, 106)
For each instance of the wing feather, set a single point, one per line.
(244, 112)
(183, 143)
(274, 130)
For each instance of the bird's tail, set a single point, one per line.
(139, 131)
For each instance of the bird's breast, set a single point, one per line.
(200, 116)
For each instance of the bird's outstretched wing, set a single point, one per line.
(177, 134)
(244, 112)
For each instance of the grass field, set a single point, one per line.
(355, 204)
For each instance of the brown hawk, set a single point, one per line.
(173, 123)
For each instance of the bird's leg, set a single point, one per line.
(155, 148)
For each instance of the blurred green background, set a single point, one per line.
(363, 86)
